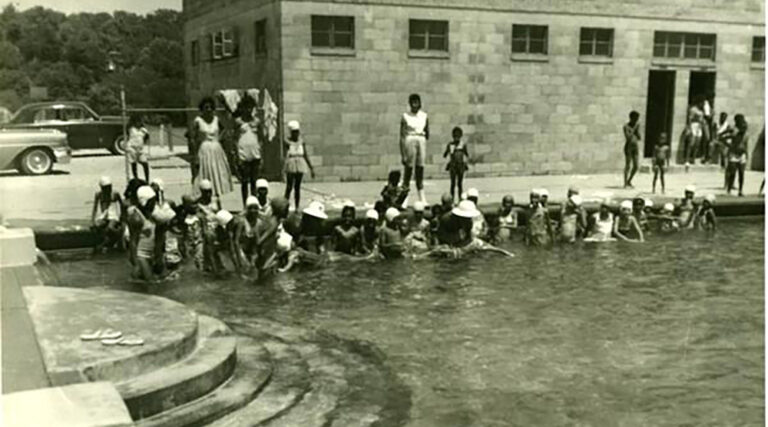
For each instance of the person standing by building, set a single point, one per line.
(248, 149)
(737, 154)
(457, 154)
(414, 133)
(631, 147)
(296, 163)
(213, 164)
(660, 160)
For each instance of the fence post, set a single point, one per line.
(169, 137)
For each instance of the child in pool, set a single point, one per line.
(571, 220)
(625, 227)
(601, 229)
(420, 226)
(667, 223)
(346, 237)
(369, 235)
(390, 238)
(456, 151)
(705, 217)
(687, 208)
(507, 220)
(539, 229)
(638, 211)
(192, 232)
(393, 195)
(660, 159)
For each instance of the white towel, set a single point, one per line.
(270, 116)
(231, 98)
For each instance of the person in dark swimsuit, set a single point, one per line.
(625, 227)
(631, 147)
(346, 237)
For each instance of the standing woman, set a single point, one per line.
(248, 149)
(296, 162)
(414, 133)
(737, 154)
(210, 155)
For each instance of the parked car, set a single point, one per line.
(84, 128)
(33, 152)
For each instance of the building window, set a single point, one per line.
(684, 45)
(596, 42)
(223, 44)
(194, 52)
(333, 32)
(529, 39)
(428, 35)
(260, 37)
(758, 49)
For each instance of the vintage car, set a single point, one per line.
(33, 152)
(84, 128)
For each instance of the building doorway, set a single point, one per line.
(660, 108)
(702, 84)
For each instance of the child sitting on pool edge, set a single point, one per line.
(393, 195)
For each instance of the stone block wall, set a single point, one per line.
(562, 114)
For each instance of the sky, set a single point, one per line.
(74, 6)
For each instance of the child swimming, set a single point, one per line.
(625, 227)
(601, 229)
(346, 237)
(507, 218)
(571, 220)
(539, 229)
(390, 238)
(705, 217)
(369, 235)
(667, 223)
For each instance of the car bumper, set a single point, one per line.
(63, 154)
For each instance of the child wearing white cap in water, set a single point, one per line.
(420, 226)
(142, 228)
(705, 217)
(667, 222)
(370, 232)
(262, 198)
(346, 236)
(687, 208)
(207, 207)
(625, 227)
(106, 215)
(390, 238)
(571, 220)
(538, 230)
(225, 243)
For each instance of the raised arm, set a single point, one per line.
(93, 211)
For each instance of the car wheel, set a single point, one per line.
(118, 146)
(36, 161)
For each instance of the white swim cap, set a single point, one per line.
(669, 207)
(262, 183)
(144, 193)
(544, 192)
(472, 192)
(648, 203)
(391, 214)
(206, 184)
(690, 188)
(419, 206)
(105, 181)
(223, 217)
(372, 214)
(293, 125)
(626, 205)
(535, 192)
(284, 241)
(710, 198)
(349, 204)
(576, 200)
(251, 201)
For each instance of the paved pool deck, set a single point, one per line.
(68, 194)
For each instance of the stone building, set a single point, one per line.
(539, 86)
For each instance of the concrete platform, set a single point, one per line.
(60, 315)
(80, 405)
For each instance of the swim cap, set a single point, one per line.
(262, 183)
(349, 204)
(710, 198)
(626, 205)
(223, 217)
(669, 207)
(472, 192)
(391, 214)
(419, 206)
(544, 192)
(372, 214)
(648, 203)
(206, 184)
(144, 193)
(535, 192)
(105, 181)
(576, 200)
(690, 188)
(251, 201)
(293, 125)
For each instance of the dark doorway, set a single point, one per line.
(660, 107)
(702, 85)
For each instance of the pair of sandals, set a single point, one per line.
(111, 337)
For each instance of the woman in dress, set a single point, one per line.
(414, 133)
(210, 155)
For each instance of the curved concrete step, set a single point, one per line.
(290, 382)
(252, 373)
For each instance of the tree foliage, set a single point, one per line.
(69, 55)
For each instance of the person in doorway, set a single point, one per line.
(138, 137)
(106, 215)
(297, 163)
(737, 154)
(660, 160)
(631, 147)
(211, 157)
(414, 134)
(457, 154)
(694, 132)
(248, 148)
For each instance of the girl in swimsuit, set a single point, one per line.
(142, 235)
(346, 237)
(625, 227)
(705, 217)
(246, 235)
(571, 220)
(687, 208)
(369, 235)
(602, 225)
(539, 229)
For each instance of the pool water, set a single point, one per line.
(669, 332)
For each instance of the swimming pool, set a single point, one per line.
(669, 332)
